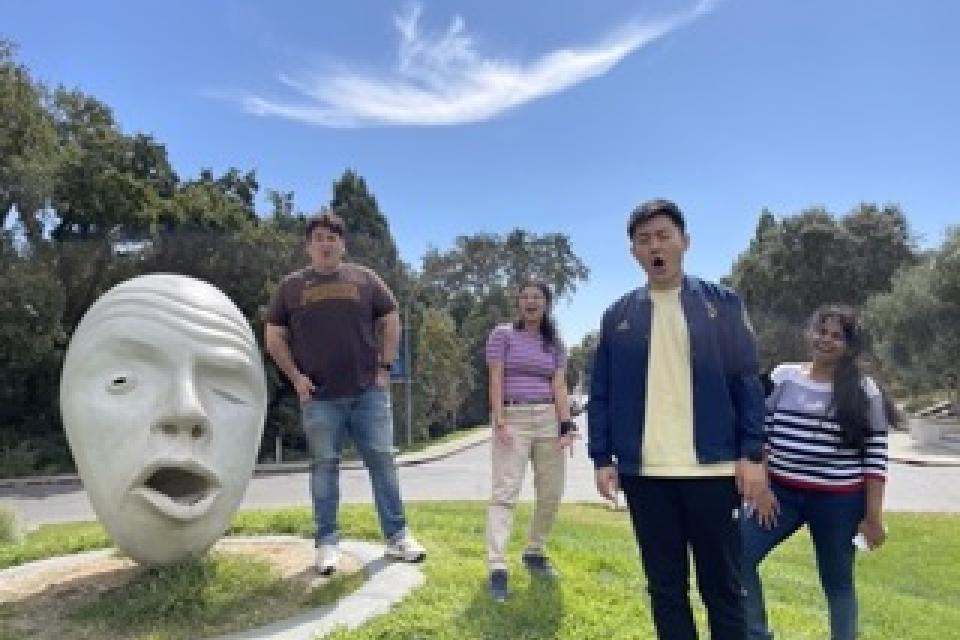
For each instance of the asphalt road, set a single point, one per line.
(464, 476)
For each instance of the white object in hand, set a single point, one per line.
(860, 542)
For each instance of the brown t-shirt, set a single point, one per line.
(331, 319)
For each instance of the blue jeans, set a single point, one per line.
(832, 519)
(368, 419)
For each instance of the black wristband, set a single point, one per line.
(386, 366)
(566, 426)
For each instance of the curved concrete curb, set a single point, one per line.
(904, 450)
(387, 584)
(58, 562)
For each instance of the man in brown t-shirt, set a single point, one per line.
(321, 330)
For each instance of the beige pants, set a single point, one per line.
(534, 430)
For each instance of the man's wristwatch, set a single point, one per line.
(386, 366)
(567, 426)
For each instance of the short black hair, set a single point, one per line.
(650, 209)
(329, 221)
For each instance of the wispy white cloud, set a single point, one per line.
(442, 79)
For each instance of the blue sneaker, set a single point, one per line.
(498, 585)
(538, 566)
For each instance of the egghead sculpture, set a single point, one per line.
(163, 398)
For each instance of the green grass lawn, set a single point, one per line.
(908, 590)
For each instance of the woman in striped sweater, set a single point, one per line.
(530, 415)
(826, 455)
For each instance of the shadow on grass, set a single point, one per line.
(533, 609)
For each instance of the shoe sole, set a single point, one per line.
(540, 574)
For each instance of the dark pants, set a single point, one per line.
(832, 519)
(671, 516)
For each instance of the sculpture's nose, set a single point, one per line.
(184, 416)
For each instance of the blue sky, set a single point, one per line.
(488, 115)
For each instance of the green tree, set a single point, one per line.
(483, 263)
(282, 214)
(580, 361)
(369, 241)
(107, 189)
(799, 262)
(29, 151)
(444, 375)
(31, 339)
(477, 280)
(916, 326)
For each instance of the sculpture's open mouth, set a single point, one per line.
(182, 490)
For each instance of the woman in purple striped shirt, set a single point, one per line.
(530, 416)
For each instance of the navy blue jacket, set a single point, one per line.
(728, 405)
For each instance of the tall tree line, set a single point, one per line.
(86, 205)
(909, 299)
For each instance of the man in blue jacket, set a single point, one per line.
(676, 420)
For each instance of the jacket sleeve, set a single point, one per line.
(743, 377)
(598, 416)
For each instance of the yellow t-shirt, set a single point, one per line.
(668, 448)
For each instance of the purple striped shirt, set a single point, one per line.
(527, 368)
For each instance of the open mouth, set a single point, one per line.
(182, 490)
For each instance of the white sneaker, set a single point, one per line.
(406, 548)
(327, 556)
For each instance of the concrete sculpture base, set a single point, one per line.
(37, 597)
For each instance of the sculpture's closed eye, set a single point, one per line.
(230, 397)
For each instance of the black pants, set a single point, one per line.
(672, 515)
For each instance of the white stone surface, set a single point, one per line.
(163, 398)
(387, 584)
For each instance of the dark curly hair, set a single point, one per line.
(850, 404)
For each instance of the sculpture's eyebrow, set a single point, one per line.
(203, 322)
(225, 358)
(219, 336)
(221, 356)
(121, 341)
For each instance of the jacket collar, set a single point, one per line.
(689, 284)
